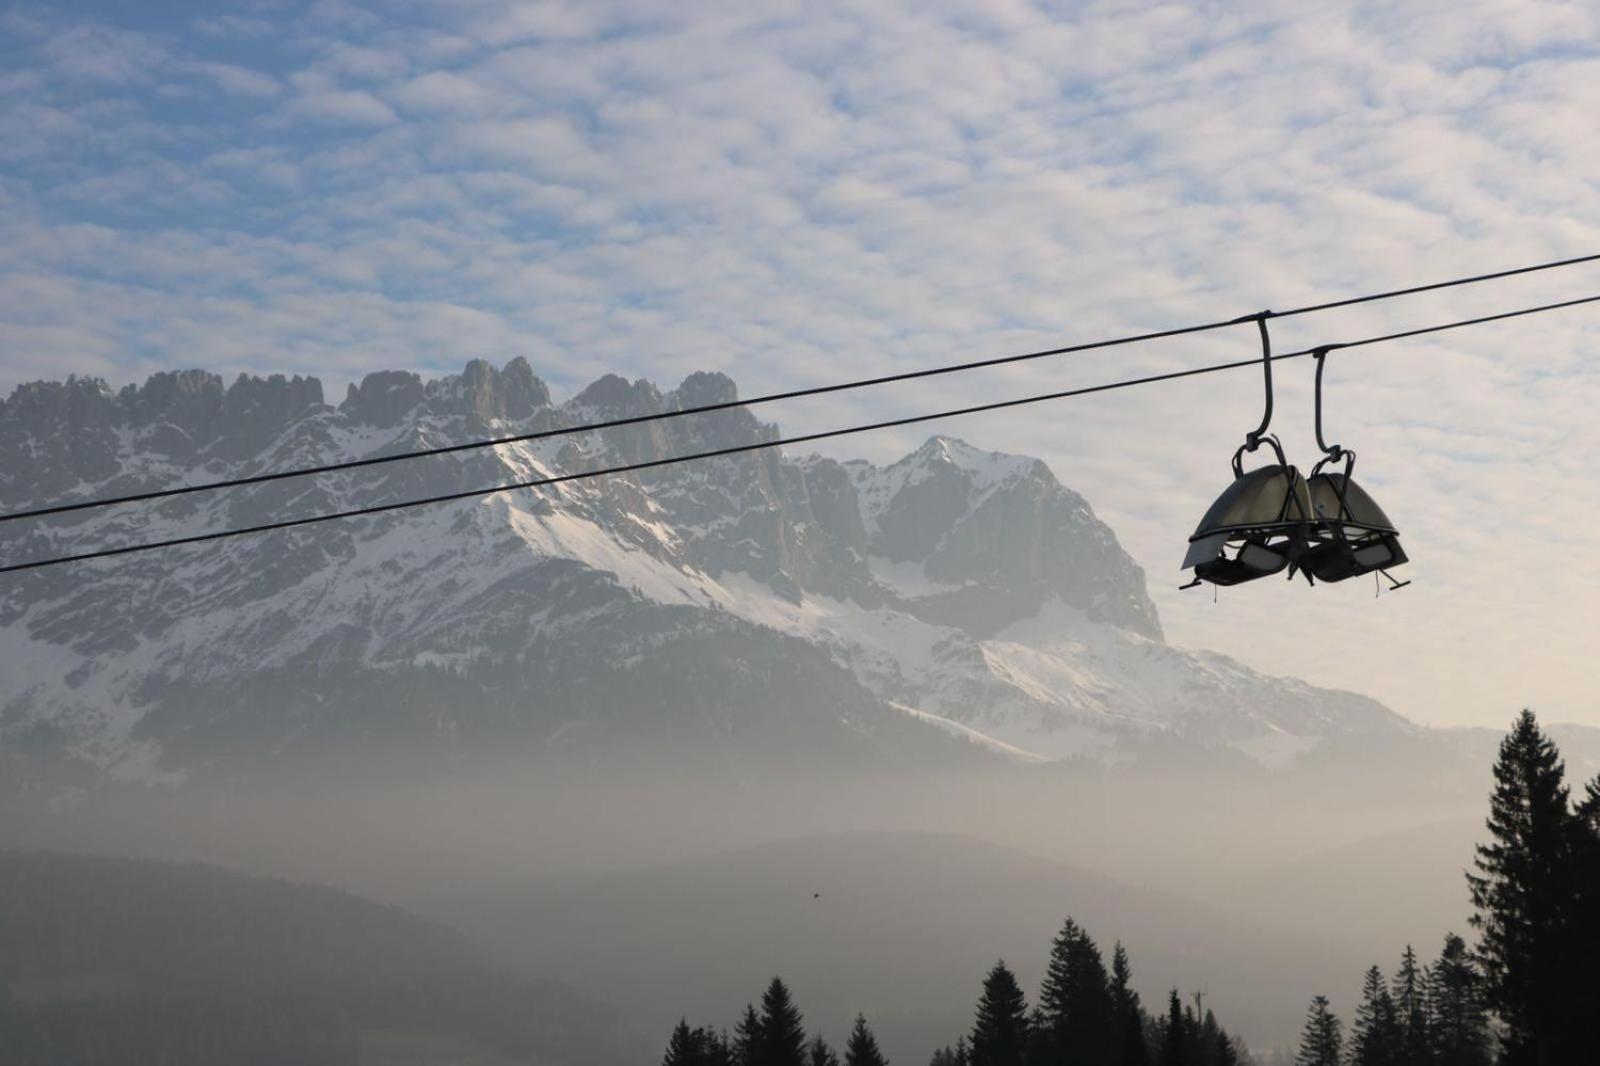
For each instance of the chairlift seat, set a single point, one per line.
(1353, 535)
(1263, 515)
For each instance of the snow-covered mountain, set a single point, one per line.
(955, 600)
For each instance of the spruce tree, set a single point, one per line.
(1043, 1041)
(1207, 1034)
(1586, 954)
(719, 1049)
(1000, 1033)
(1321, 1043)
(1175, 1035)
(686, 1047)
(1375, 1034)
(820, 1054)
(1123, 997)
(1456, 1016)
(1411, 1012)
(1127, 1014)
(1524, 894)
(783, 1033)
(1075, 1005)
(747, 1039)
(862, 1048)
(1133, 1050)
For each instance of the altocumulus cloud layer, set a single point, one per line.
(798, 192)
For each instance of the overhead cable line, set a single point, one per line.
(776, 397)
(806, 438)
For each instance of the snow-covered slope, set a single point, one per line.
(754, 602)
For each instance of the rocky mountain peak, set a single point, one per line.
(613, 396)
(999, 534)
(383, 398)
(702, 389)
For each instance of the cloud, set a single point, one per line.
(342, 107)
(444, 91)
(102, 54)
(238, 80)
(803, 193)
(234, 27)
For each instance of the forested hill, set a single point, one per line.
(110, 961)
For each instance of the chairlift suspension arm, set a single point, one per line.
(1253, 438)
(1333, 451)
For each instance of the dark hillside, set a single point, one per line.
(110, 961)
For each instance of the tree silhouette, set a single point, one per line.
(1000, 1033)
(1456, 1017)
(1411, 1011)
(782, 1039)
(1525, 893)
(862, 1047)
(1075, 1006)
(1375, 1035)
(747, 1038)
(686, 1047)
(1321, 1042)
(1127, 1014)
(820, 1054)
(1586, 955)
(1175, 1034)
(719, 1049)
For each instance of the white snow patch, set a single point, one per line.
(956, 729)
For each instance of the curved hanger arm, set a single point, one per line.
(1252, 440)
(1333, 451)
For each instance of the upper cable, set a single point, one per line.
(775, 397)
(584, 475)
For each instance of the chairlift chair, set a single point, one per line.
(1261, 523)
(1271, 519)
(1353, 536)
(1263, 517)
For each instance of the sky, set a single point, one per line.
(798, 193)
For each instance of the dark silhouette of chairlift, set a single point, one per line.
(1272, 519)
(1355, 537)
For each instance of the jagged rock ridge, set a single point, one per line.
(746, 603)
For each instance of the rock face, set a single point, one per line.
(742, 605)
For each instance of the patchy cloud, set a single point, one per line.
(796, 193)
(242, 81)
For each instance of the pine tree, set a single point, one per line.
(746, 1047)
(1456, 1016)
(686, 1046)
(1321, 1043)
(1587, 940)
(1133, 1050)
(719, 1049)
(1411, 1012)
(1175, 1035)
(1000, 1033)
(1375, 1035)
(1214, 1046)
(1524, 894)
(862, 1048)
(1127, 1014)
(783, 1035)
(1075, 1005)
(1123, 997)
(820, 1054)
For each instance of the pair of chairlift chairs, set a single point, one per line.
(1272, 519)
